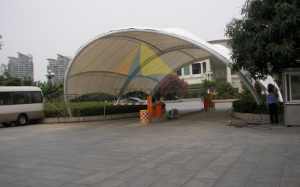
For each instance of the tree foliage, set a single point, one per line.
(246, 92)
(207, 84)
(171, 87)
(267, 38)
(225, 89)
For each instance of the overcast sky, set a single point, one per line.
(45, 28)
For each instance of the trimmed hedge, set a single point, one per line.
(99, 110)
(93, 109)
(249, 105)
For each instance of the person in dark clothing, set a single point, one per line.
(272, 104)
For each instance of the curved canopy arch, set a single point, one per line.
(138, 59)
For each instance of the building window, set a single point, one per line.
(186, 70)
(179, 72)
(196, 68)
(204, 67)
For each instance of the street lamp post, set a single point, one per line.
(49, 76)
(208, 73)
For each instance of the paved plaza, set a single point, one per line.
(194, 151)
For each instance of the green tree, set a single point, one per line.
(225, 89)
(51, 89)
(209, 85)
(246, 92)
(28, 81)
(267, 38)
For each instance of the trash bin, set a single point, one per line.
(144, 116)
(158, 109)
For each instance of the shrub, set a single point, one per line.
(93, 109)
(249, 106)
(225, 89)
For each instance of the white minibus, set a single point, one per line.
(19, 104)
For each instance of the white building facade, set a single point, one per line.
(195, 73)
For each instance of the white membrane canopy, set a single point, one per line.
(138, 59)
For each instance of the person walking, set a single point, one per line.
(272, 104)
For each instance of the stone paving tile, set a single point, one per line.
(164, 169)
(181, 159)
(58, 163)
(290, 181)
(258, 184)
(95, 178)
(200, 182)
(246, 168)
(177, 178)
(109, 183)
(208, 156)
(71, 178)
(121, 166)
(156, 161)
(49, 175)
(291, 170)
(24, 165)
(265, 178)
(271, 163)
(268, 171)
(232, 152)
(224, 161)
(243, 177)
(195, 165)
(9, 185)
(249, 157)
(33, 182)
(15, 171)
(143, 157)
(129, 174)
(68, 170)
(8, 178)
(164, 185)
(230, 183)
(74, 185)
(212, 172)
(142, 180)
(293, 151)
(292, 159)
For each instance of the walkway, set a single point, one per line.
(195, 150)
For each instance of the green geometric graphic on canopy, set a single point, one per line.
(143, 63)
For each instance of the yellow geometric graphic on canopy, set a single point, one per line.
(155, 66)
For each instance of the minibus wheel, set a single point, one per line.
(22, 120)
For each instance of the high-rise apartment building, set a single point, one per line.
(21, 67)
(58, 67)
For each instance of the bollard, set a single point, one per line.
(144, 116)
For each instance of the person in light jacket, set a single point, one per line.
(272, 104)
